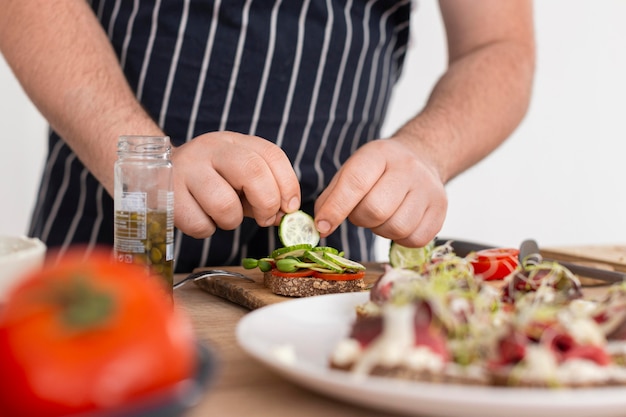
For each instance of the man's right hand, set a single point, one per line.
(220, 177)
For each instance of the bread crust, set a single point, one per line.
(310, 286)
(453, 374)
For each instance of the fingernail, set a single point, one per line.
(270, 220)
(294, 204)
(323, 226)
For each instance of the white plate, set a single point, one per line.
(310, 328)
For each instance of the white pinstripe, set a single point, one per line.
(294, 74)
(316, 88)
(116, 10)
(245, 15)
(332, 113)
(93, 239)
(372, 79)
(355, 83)
(174, 63)
(80, 208)
(146, 57)
(54, 154)
(387, 64)
(258, 105)
(129, 31)
(100, 9)
(59, 197)
(266, 69)
(343, 233)
(229, 98)
(206, 60)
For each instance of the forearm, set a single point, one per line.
(63, 59)
(474, 107)
(486, 90)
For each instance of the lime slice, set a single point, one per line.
(344, 262)
(403, 257)
(323, 262)
(294, 250)
(298, 228)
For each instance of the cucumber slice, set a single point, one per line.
(403, 257)
(298, 228)
(344, 262)
(322, 270)
(294, 250)
(322, 262)
(326, 249)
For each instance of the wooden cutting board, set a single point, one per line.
(607, 256)
(253, 295)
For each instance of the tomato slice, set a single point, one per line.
(346, 276)
(301, 273)
(496, 263)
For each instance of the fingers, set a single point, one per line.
(204, 202)
(264, 176)
(397, 195)
(416, 222)
(383, 203)
(411, 218)
(222, 176)
(350, 185)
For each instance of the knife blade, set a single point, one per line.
(600, 274)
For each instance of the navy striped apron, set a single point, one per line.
(313, 76)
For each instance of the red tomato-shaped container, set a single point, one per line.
(89, 335)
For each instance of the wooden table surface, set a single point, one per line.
(245, 387)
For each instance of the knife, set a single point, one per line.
(530, 247)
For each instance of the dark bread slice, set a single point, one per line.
(309, 286)
(452, 375)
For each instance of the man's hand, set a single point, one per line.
(387, 187)
(220, 177)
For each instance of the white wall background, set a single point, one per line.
(557, 179)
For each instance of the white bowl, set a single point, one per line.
(19, 255)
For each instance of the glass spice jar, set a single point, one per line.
(144, 204)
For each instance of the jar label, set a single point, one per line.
(133, 201)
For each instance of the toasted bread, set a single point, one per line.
(309, 286)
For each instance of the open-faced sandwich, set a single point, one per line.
(441, 322)
(301, 268)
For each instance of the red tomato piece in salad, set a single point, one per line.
(496, 263)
